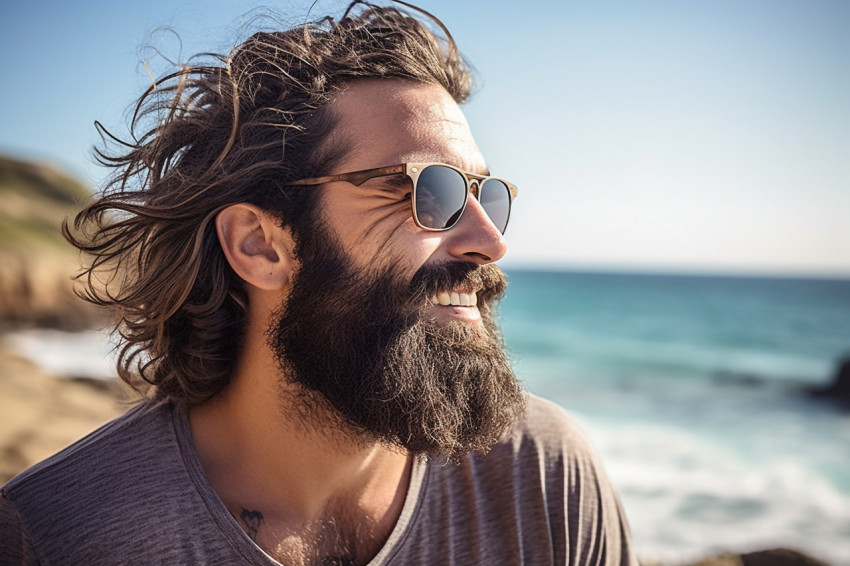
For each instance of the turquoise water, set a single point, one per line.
(693, 389)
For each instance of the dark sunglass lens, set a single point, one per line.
(495, 198)
(440, 196)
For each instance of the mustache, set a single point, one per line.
(489, 280)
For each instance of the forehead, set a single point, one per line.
(392, 121)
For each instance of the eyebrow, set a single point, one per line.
(392, 183)
(399, 181)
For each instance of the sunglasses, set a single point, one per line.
(440, 192)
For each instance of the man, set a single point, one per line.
(300, 252)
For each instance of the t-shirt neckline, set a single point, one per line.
(242, 543)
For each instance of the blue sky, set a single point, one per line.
(656, 135)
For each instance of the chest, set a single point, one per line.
(334, 540)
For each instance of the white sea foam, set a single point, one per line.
(686, 496)
(66, 354)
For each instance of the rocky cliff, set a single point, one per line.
(36, 264)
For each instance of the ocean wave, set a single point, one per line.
(88, 353)
(686, 496)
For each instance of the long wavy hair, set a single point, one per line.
(234, 129)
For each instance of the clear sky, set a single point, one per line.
(675, 135)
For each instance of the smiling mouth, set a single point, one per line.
(455, 299)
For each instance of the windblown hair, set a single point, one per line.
(235, 130)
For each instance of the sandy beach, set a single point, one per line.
(40, 414)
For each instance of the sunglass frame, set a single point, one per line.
(413, 170)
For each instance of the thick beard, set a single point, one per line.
(369, 365)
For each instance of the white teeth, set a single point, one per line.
(446, 298)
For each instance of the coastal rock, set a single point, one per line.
(839, 388)
(36, 290)
(37, 264)
(769, 557)
(779, 557)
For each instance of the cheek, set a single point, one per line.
(412, 247)
(403, 248)
(379, 232)
(364, 220)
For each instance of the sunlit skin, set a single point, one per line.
(257, 454)
(402, 122)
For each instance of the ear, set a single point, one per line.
(258, 250)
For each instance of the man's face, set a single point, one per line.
(392, 122)
(360, 331)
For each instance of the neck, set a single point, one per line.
(283, 479)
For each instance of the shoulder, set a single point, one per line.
(554, 466)
(545, 418)
(539, 496)
(138, 474)
(546, 430)
(89, 481)
(17, 547)
(95, 453)
(548, 443)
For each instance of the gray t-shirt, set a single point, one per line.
(134, 492)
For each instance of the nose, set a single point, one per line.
(475, 238)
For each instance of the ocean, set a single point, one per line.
(693, 390)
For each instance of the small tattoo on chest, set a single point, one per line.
(252, 520)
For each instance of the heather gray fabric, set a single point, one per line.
(134, 492)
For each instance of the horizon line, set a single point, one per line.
(678, 271)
